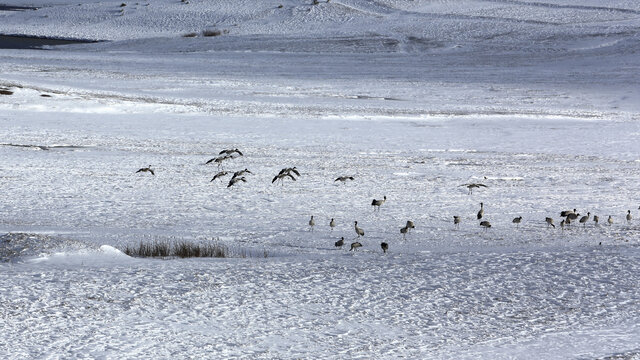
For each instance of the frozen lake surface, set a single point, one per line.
(537, 101)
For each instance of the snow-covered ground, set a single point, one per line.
(537, 100)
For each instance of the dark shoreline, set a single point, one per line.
(16, 8)
(36, 42)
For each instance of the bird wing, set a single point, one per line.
(291, 176)
(214, 159)
(483, 185)
(239, 152)
(139, 170)
(295, 171)
(151, 171)
(338, 179)
(275, 178)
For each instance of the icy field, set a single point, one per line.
(538, 101)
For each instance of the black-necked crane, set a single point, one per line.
(384, 247)
(584, 219)
(610, 220)
(403, 231)
(339, 243)
(230, 152)
(236, 180)
(517, 221)
(281, 177)
(485, 224)
(219, 175)
(572, 216)
(596, 219)
(473, 186)
(241, 172)
(312, 223)
(355, 245)
(456, 221)
(332, 224)
(410, 225)
(147, 169)
(549, 222)
(481, 212)
(562, 224)
(378, 203)
(289, 171)
(343, 179)
(629, 216)
(286, 173)
(218, 160)
(359, 231)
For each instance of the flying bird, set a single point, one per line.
(219, 175)
(240, 173)
(147, 169)
(343, 179)
(236, 180)
(231, 152)
(472, 186)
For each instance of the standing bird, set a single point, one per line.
(562, 224)
(332, 224)
(312, 223)
(596, 219)
(147, 169)
(610, 220)
(355, 245)
(549, 222)
(236, 180)
(403, 231)
(481, 212)
(339, 243)
(517, 221)
(343, 179)
(485, 224)
(378, 203)
(473, 186)
(384, 247)
(410, 225)
(629, 216)
(219, 175)
(456, 221)
(584, 219)
(572, 216)
(359, 231)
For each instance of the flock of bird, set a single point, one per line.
(569, 216)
